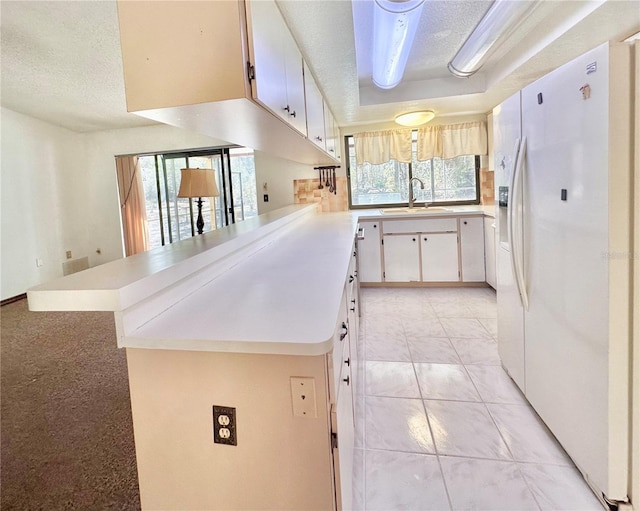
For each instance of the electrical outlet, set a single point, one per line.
(265, 198)
(303, 397)
(69, 254)
(224, 425)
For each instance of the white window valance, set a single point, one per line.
(381, 146)
(451, 140)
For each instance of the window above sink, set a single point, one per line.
(452, 181)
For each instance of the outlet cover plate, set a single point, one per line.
(303, 397)
(224, 425)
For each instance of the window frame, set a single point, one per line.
(167, 217)
(410, 173)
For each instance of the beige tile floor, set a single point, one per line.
(439, 424)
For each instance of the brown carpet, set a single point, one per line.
(66, 431)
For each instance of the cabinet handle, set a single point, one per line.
(426, 239)
(346, 331)
(375, 226)
(465, 222)
(346, 380)
(319, 139)
(353, 309)
(348, 362)
(292, 114)
(287, 109)
(351, 279)
(414, 239)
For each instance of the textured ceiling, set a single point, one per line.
(61, 63)
(61, 60)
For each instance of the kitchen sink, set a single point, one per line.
(393, 211)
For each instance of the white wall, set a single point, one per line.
(59, 192)
(102, 188)
(279, 175)
(42, 200)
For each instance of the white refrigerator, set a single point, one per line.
(563, 162)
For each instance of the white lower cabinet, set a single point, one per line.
(439, 257)
(369, 253)
(490, 251)
(401, 258)
(472, 249)
(343, 430)
(342, 371)
(446, 249)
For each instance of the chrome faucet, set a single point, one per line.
(412, 199)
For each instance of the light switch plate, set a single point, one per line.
(303, 397)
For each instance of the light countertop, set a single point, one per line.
(278, 291)
(284, 299)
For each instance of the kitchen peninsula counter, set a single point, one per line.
(236, 318)
(267, 285)
(270, 284)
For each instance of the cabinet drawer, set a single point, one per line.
(420, 225)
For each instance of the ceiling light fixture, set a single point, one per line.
(415, 118)
(502, 18)
(394, 26)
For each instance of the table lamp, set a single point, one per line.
(198, 183)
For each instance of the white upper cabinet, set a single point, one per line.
(279, 83)
(315, 110)
(236, 74)
(270, 87)
(329, 127)
(295, 82)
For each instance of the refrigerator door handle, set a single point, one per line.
(517, 227)
(510, 218)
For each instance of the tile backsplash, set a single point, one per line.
(487, 196)
(306, 191)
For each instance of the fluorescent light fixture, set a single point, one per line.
(394, 26)
(415, 118)
(502, 18)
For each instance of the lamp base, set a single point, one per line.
(200, 221)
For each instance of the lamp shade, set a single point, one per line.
(198, 183)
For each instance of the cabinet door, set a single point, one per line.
(329, 123)
(369, 253)
(439, 254)
(337, 140)
(294, 82)
(490, 251)
(472, 249)
(315, 110)
(270, 85)
(343, 427)
(401, 258)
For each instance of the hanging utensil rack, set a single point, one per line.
(327, 175)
